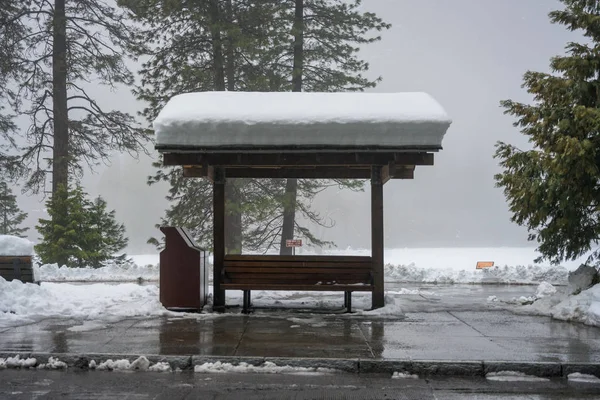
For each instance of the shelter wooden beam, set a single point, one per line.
(301, 173)
(218, 238)
(194, 171)
(377, 246)
(297, 159)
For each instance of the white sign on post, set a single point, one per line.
(293, 243)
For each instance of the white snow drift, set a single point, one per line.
(20, 302)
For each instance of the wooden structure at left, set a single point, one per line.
(183, 271)
(16, 267)
(375, 137)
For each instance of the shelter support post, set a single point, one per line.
(218, 238)
(377, 246)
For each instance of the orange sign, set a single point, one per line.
(484, 264)
(293, 243)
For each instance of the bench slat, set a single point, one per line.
(302, 264)
(304, 270)
(267, 258)
(316, 288)
(285, 275)
(9, 259)
(294, 279)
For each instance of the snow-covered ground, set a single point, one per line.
(434, 265)
(24, 302)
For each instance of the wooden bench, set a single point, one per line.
(16, 267)
(299, 273)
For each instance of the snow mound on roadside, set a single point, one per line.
(17, 362)
(586, 378)
(513, 376)
(139, 364)
(267, 368)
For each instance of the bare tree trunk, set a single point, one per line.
(217, 45)
(291, 186)
(233, 209)
(224, 67)
(60, 147)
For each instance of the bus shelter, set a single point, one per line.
(371, 136)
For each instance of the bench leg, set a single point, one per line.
(348, 301)
(246, 307)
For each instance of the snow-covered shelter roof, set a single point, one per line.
(246, 120)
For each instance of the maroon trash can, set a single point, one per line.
(183, 271)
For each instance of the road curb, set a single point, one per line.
(423, 368)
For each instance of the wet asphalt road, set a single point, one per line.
(26, 384)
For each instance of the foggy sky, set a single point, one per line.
(469, 55)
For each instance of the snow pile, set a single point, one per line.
(217, 119)
(17, 362)
(267, 368)
(15, 246)
(53, 363)
(513, 376)
(530, 274)
(544, 289)
(21, 302)
(404, 375)
(583, 307)
(160, 367)
(585, 378)
(391, 309)
(139, 364)
(128, 272)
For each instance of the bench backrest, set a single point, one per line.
(300, 270)
(16, 267)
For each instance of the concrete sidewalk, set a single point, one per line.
(451, 328)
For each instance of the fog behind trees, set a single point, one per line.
(469, 55)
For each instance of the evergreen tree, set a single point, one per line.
(12, 32)
(107, 237)
(11, 217)
(552, 188)
(63, 234)
(235, 46)
(88, 236)
(70, 47)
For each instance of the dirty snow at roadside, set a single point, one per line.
(17, 362)
(513, 376)
(578, 377)
(266, 368)
(22, 302)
